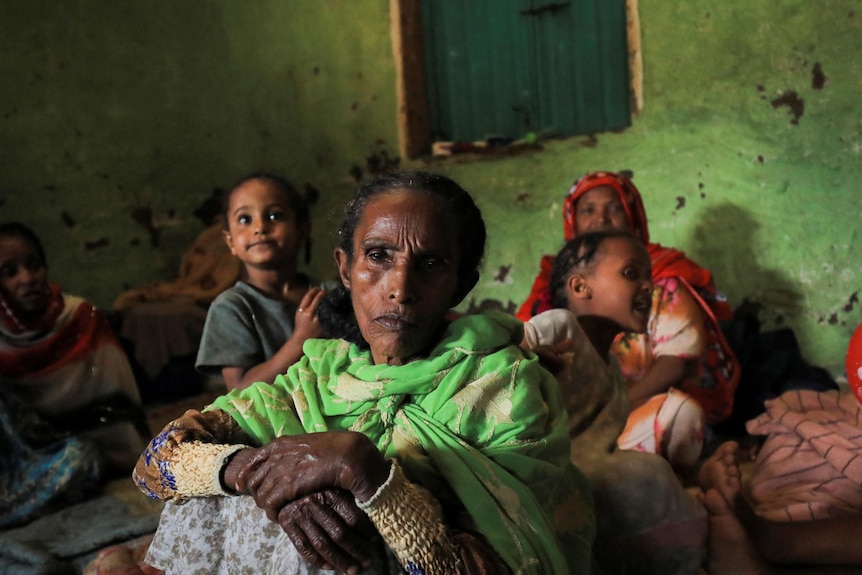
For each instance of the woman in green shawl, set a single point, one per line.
(414, 442)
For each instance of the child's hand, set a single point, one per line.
(307, 324)
(551, 356)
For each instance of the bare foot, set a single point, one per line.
(730, 550)
(721, 472)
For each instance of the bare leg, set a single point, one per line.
(730, 549)
(742, 543)
(821, 542)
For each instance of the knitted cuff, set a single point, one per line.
(410, 521)
(197, 467)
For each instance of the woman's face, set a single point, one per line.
(600, 210)
(23, 276)
(404, 274)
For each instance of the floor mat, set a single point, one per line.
(63, 543)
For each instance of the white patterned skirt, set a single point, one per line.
(232, 536)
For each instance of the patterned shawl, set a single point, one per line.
(65, 359)
(477, 423)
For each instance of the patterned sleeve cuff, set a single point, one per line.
(410, 521)
(197, 468)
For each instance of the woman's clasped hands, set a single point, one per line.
(309, 485)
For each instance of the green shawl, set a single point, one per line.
(478, 422)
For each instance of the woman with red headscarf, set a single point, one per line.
(69, 403)
(683, 355)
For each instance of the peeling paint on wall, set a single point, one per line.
(834, 318)
(210, 208)
(502, 273)
(792, 100)
(491, 305)
(818, 78)
(144, 218)
(381, 160)
(312, 194)
(378, 161)
(100, 243)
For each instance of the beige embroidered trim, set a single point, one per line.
(410, 521)
(197, 467)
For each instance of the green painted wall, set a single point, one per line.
(118, 119)
(747, 152)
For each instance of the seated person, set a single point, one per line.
(411, 443)
(255, 330)
(683, 353)
(799, 507)
(646, 521)
(745, 540)
(62, 372)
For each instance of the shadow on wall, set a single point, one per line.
(726, 242)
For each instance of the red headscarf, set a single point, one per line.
(666, 262)
(12, 323)
(629, 196)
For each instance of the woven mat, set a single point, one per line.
(63, 543)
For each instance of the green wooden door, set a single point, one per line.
(509, 67)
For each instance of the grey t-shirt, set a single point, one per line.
(244, 328)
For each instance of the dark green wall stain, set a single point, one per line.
(791, 100)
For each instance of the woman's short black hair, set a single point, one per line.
(19, 230)
(336, 312)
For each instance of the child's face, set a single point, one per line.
(620, 284)
(262, 230)
(23, 276)
(600, 210)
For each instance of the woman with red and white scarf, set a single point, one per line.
(681, 372)
(69, 404)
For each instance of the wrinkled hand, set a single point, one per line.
(329, 531)
(307, 325)
(291, 467)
